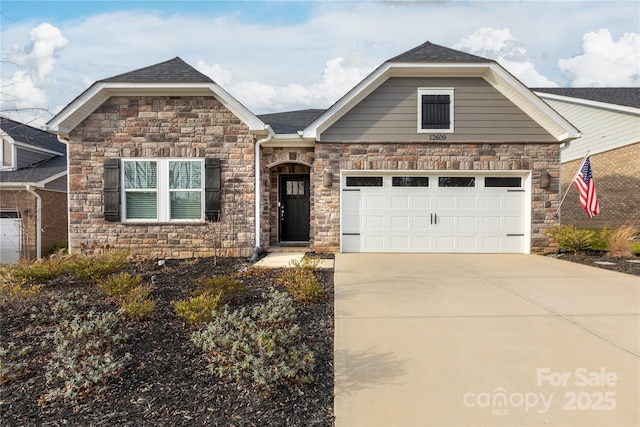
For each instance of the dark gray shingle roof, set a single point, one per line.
(172, 71)
(429, 52)
(37, 172)
(625, 96)
(32, 136)
(290, 121)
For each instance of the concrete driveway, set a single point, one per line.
(458, 340)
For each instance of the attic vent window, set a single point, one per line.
(435, 110)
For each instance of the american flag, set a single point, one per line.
(587, 189)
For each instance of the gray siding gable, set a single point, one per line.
(481, 113)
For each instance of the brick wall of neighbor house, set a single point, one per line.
(274, 162)
(186, 127)
(335, 157)
(54, 219)
(617, 178)
(25, 204)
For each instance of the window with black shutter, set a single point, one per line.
(435, 108)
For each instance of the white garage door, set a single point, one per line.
(9, 239)
(392, 212)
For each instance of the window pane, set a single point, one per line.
(410, 181)
(186, 205)
(141, 205)
(364, 181)
(140, 174)
(495, 181)
(185, 175)
(456, 181)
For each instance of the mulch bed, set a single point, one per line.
(167, 382)
(619, 264)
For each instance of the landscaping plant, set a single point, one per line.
(301, 281)
(620, 241)
(572, 239)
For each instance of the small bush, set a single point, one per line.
(95, 267)
(136, 303)
(263, 346)
(228, 288)
(572, 239)
(40, 271)
(198, 309)
(301, 281)
(620, 241)
(82, 358)
(11, 361)
(119, 285)
(12, 293)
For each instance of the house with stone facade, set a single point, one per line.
(435, 151)
(33, 191)
(609, 123)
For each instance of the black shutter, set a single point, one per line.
(212, 180)
(435, 112)
(112, 190)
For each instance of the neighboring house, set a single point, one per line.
(435, 151)
(33, 187)
(609, 123)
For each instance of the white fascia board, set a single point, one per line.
(590, 103)
(289, 140)
(81, 107)
(531, 104)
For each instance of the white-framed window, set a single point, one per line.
(163, 190)
(435, 110)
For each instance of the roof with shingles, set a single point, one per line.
(172, 71)
(625, 96)
(36, 173)
(35, 137)
(429, 52)
(290, 122)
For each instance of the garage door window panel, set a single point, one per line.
(503, 182)
(364, 181)
(410, 181)
(457, 181)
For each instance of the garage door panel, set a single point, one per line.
(433, 219)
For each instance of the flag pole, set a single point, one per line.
(571, 182)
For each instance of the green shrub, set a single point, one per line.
(40, 271)
(263, 346)
(227, 287)
(572, 239)
(198, 309)
(136, 303)
(12, 293)
(95, 267)
(11, 361)
(301, 281)
(82, 357)
(119, 285)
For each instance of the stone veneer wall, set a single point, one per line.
(335, 157)
(617, 177)
(162, 127)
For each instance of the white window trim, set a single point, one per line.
(163, 191)
(435, 91)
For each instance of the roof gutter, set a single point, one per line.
(257, 201)
(31, 191)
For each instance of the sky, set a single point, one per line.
(288, 55)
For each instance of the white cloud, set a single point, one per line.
(500, 45)
(216, 72)
(605, 62)
(39, 55)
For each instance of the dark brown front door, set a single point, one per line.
(294, 208)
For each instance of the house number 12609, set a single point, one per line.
(437, 137)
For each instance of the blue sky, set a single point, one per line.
(285, 55)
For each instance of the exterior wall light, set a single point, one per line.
(327, 179)
(545, 179)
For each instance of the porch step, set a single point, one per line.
(290, 247)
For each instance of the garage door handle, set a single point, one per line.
(514, 235)
(434, 218)
(350, 234)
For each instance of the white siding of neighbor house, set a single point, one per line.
(481, 113)
(601, 129)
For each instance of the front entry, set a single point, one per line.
(294, 208)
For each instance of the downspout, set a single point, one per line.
(257, 202)
(38, 220)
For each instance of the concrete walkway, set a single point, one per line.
(284, 259)
(459, 340)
